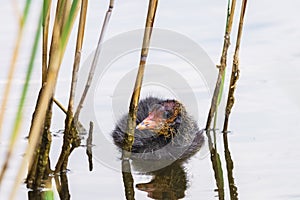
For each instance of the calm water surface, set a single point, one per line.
(264, 124)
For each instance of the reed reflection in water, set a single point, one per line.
(62, 186)
(61, 179)
(171, 182)
(218, 168)
(167, 183)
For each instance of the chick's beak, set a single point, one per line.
(147, 124)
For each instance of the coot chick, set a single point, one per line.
(164, 131)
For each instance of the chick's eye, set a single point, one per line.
(166, 114)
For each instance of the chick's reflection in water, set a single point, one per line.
(167, 183)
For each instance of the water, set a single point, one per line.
(264, 122)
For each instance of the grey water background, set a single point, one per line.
(265, 119)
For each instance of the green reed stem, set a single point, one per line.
(47, 92)
(13, 64)
(19, 114)
(25, 13)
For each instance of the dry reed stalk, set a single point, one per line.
(66, 7)
(77, 57)
(131, 121)
(69, 131)
(70, 138)
(95, 60)
(230, 101)
(16, 9)
(235, 68)
(36, 125)
(40, 163)
(12, 66)
(32, 179)
(56, 53)
(42, 155)
(222, 66)
(45, 24)
(60, 105)
(18, 118)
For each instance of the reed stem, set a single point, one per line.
(60, 105)
(56, 53)
(42, 168)
(45, 24)
(70, 132)
(221, 67)
(41, 157)
(13, 62)
(77, 57)
(235, 73)
(131, 121)
(19, 114)
(95, 59)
